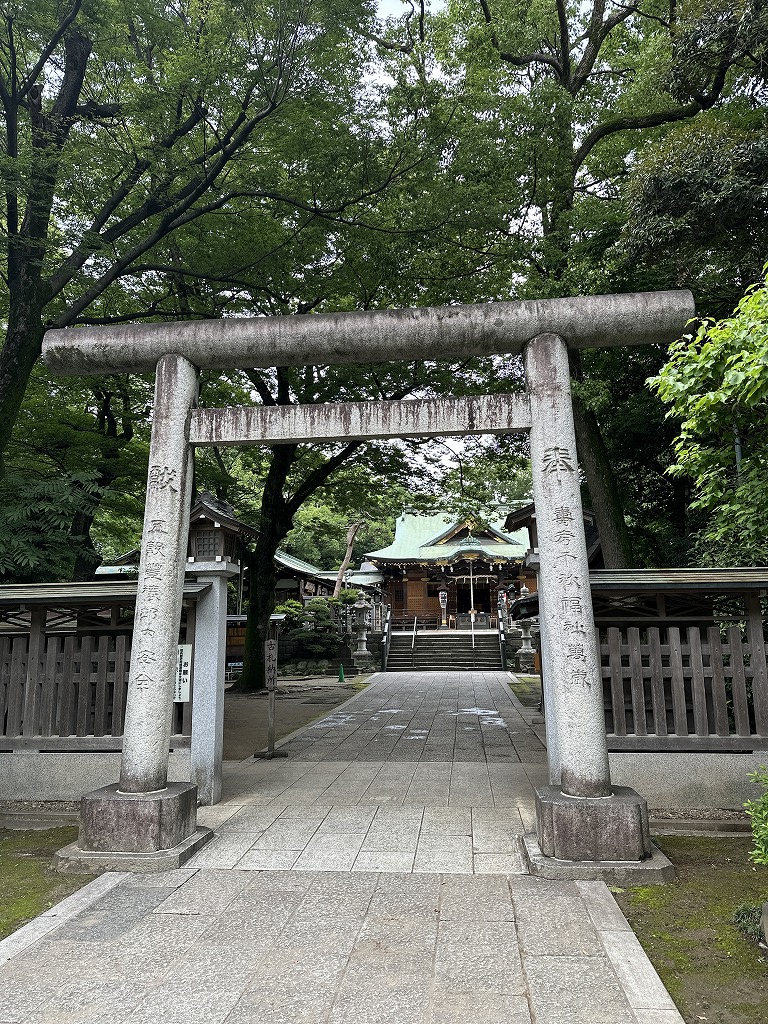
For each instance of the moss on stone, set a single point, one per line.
(713, 972)
(28, 884)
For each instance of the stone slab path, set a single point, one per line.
(350, 884)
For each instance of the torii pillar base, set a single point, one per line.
(595, 838)
(135, 831)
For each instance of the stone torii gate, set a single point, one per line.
(581, 819)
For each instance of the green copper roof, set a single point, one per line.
(430, 539)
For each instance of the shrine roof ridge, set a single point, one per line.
(426, 333)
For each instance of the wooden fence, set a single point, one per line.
(694, 688)
(68, 692)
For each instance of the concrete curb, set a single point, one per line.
(648, 998)
(49, 920)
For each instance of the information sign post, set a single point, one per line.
(270, 671)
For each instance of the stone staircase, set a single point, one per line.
(444, 649)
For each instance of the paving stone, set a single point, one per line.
(268, 860)
(602, 907)
(448, 821)
(171, 1006)
(337, 911)
(477, 906)
(500, 863)
(328, 851)
(224, 851)
(396, 839)
(206, 892)
(251, 819)
(575, 990)
(639, 980)
(489, 837)
(444, 853)
(394, 1005)
(348, 819)
(470, 1007)
(159, 879)
(382, 860)
(658, 1017)
(468, 958)
(113, 915)
(286, 834)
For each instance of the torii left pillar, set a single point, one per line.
(145, 822)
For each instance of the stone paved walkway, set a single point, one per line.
(350, 884)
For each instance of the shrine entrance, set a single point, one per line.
(580, 816)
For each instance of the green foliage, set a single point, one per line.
(716, 384)
(747, 918)
(758, 815)
(315, 629)
(487, 480)
(36, 525)
(294, 611)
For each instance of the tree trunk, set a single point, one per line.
(351, 534)
(23, 344)
(603, 492)
(262, 579)
(87, 557)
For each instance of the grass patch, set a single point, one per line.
(527, 689)
(713, 971)
(28, 884)
(359, 683)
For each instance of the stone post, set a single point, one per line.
(148, 712)
(565, 600)
(145, 821)
(209, 666)
(582, 819)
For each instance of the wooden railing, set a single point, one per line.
(686, 689)
(69, 693)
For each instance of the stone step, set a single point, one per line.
(444, 651)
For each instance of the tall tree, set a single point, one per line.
(570, 92)
(126, 120)
(716, 385)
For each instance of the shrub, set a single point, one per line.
(758, 815)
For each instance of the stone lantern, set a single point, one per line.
(214, 531)
(361, 656)
(212, 558)
(443, 597)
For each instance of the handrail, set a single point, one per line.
(413, 640)
(472, 628)
(386, 639)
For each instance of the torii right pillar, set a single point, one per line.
(585, 827)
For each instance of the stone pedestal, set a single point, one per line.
(364, 662)
(605, 838)
(135, 831)
(601, 828)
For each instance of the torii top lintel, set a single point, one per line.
(445, 332)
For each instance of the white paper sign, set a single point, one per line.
(183, 673)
